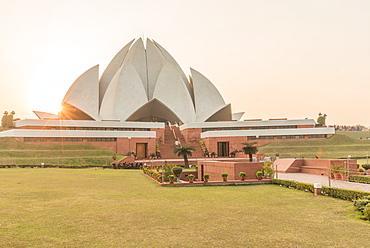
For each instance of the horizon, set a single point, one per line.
(292, 59)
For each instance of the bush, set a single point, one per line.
(361, 204)
(177, 171)
(259, 174)
(359, 179)
(344, 194)
(168, 169)
(206, 176)
(267, 169)
(242, 174)
(295, 185)
(224, 175)
(367, 212)
(336, 168)
(366, 166)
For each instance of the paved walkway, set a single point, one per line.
(310, 178)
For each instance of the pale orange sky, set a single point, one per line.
(269, 58)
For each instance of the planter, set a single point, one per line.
(206, 180)
(191, 179)
(344, 177)
(259, 178)
(225, 179)
(172, 180)
(242, 178)
(337, 176)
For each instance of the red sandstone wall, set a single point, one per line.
(216, 168)
(159, 133)
(122, 146)
(190, 133)
(322, 166)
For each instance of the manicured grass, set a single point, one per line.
(124, 208)
(13, 152)
(355, 135)
(337, 146)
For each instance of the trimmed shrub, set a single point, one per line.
(359, 179)
(177, 171)
(361, 204)
(366, 166)
(344, 194)
(294, 185)
(367, 212)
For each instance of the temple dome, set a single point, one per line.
(144, 84)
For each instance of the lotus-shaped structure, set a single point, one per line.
(144, 84)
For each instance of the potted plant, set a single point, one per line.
(336, 170)
(224, 176)
(242, 175)
(206, 178)
(366, 168)
(172, 178)
(160, 178)
(343, 174)
(361, 171)
(259, 175)
(191, 178)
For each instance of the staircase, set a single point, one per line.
(169, 145)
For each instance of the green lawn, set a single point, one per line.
(124, 208)
(356, 135)
(338, 146)
(14, 152)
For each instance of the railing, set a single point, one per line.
(177, 139)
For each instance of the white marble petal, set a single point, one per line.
(111, 70)
(84, 93)
(207, 98)
(136, 57)
(124, 95)
(171, 91)
(176, 66)
(237, 116)
(155, 62)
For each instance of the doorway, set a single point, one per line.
(141, 150)
(223, 149)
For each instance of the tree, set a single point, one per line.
(184, 151)
(250, 149)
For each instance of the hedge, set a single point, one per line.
(359, 179)
(66, 166)
(345, 194)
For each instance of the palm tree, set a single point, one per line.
(184, 151)
(250, 149)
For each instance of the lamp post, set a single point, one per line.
(348, 158)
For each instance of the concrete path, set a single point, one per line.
(310, 178)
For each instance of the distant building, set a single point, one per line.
(143, 102)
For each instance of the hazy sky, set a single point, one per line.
(269, 58)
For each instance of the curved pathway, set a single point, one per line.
(311, 178)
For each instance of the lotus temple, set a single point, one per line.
(144, 102)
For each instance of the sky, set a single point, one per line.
(268, 58)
